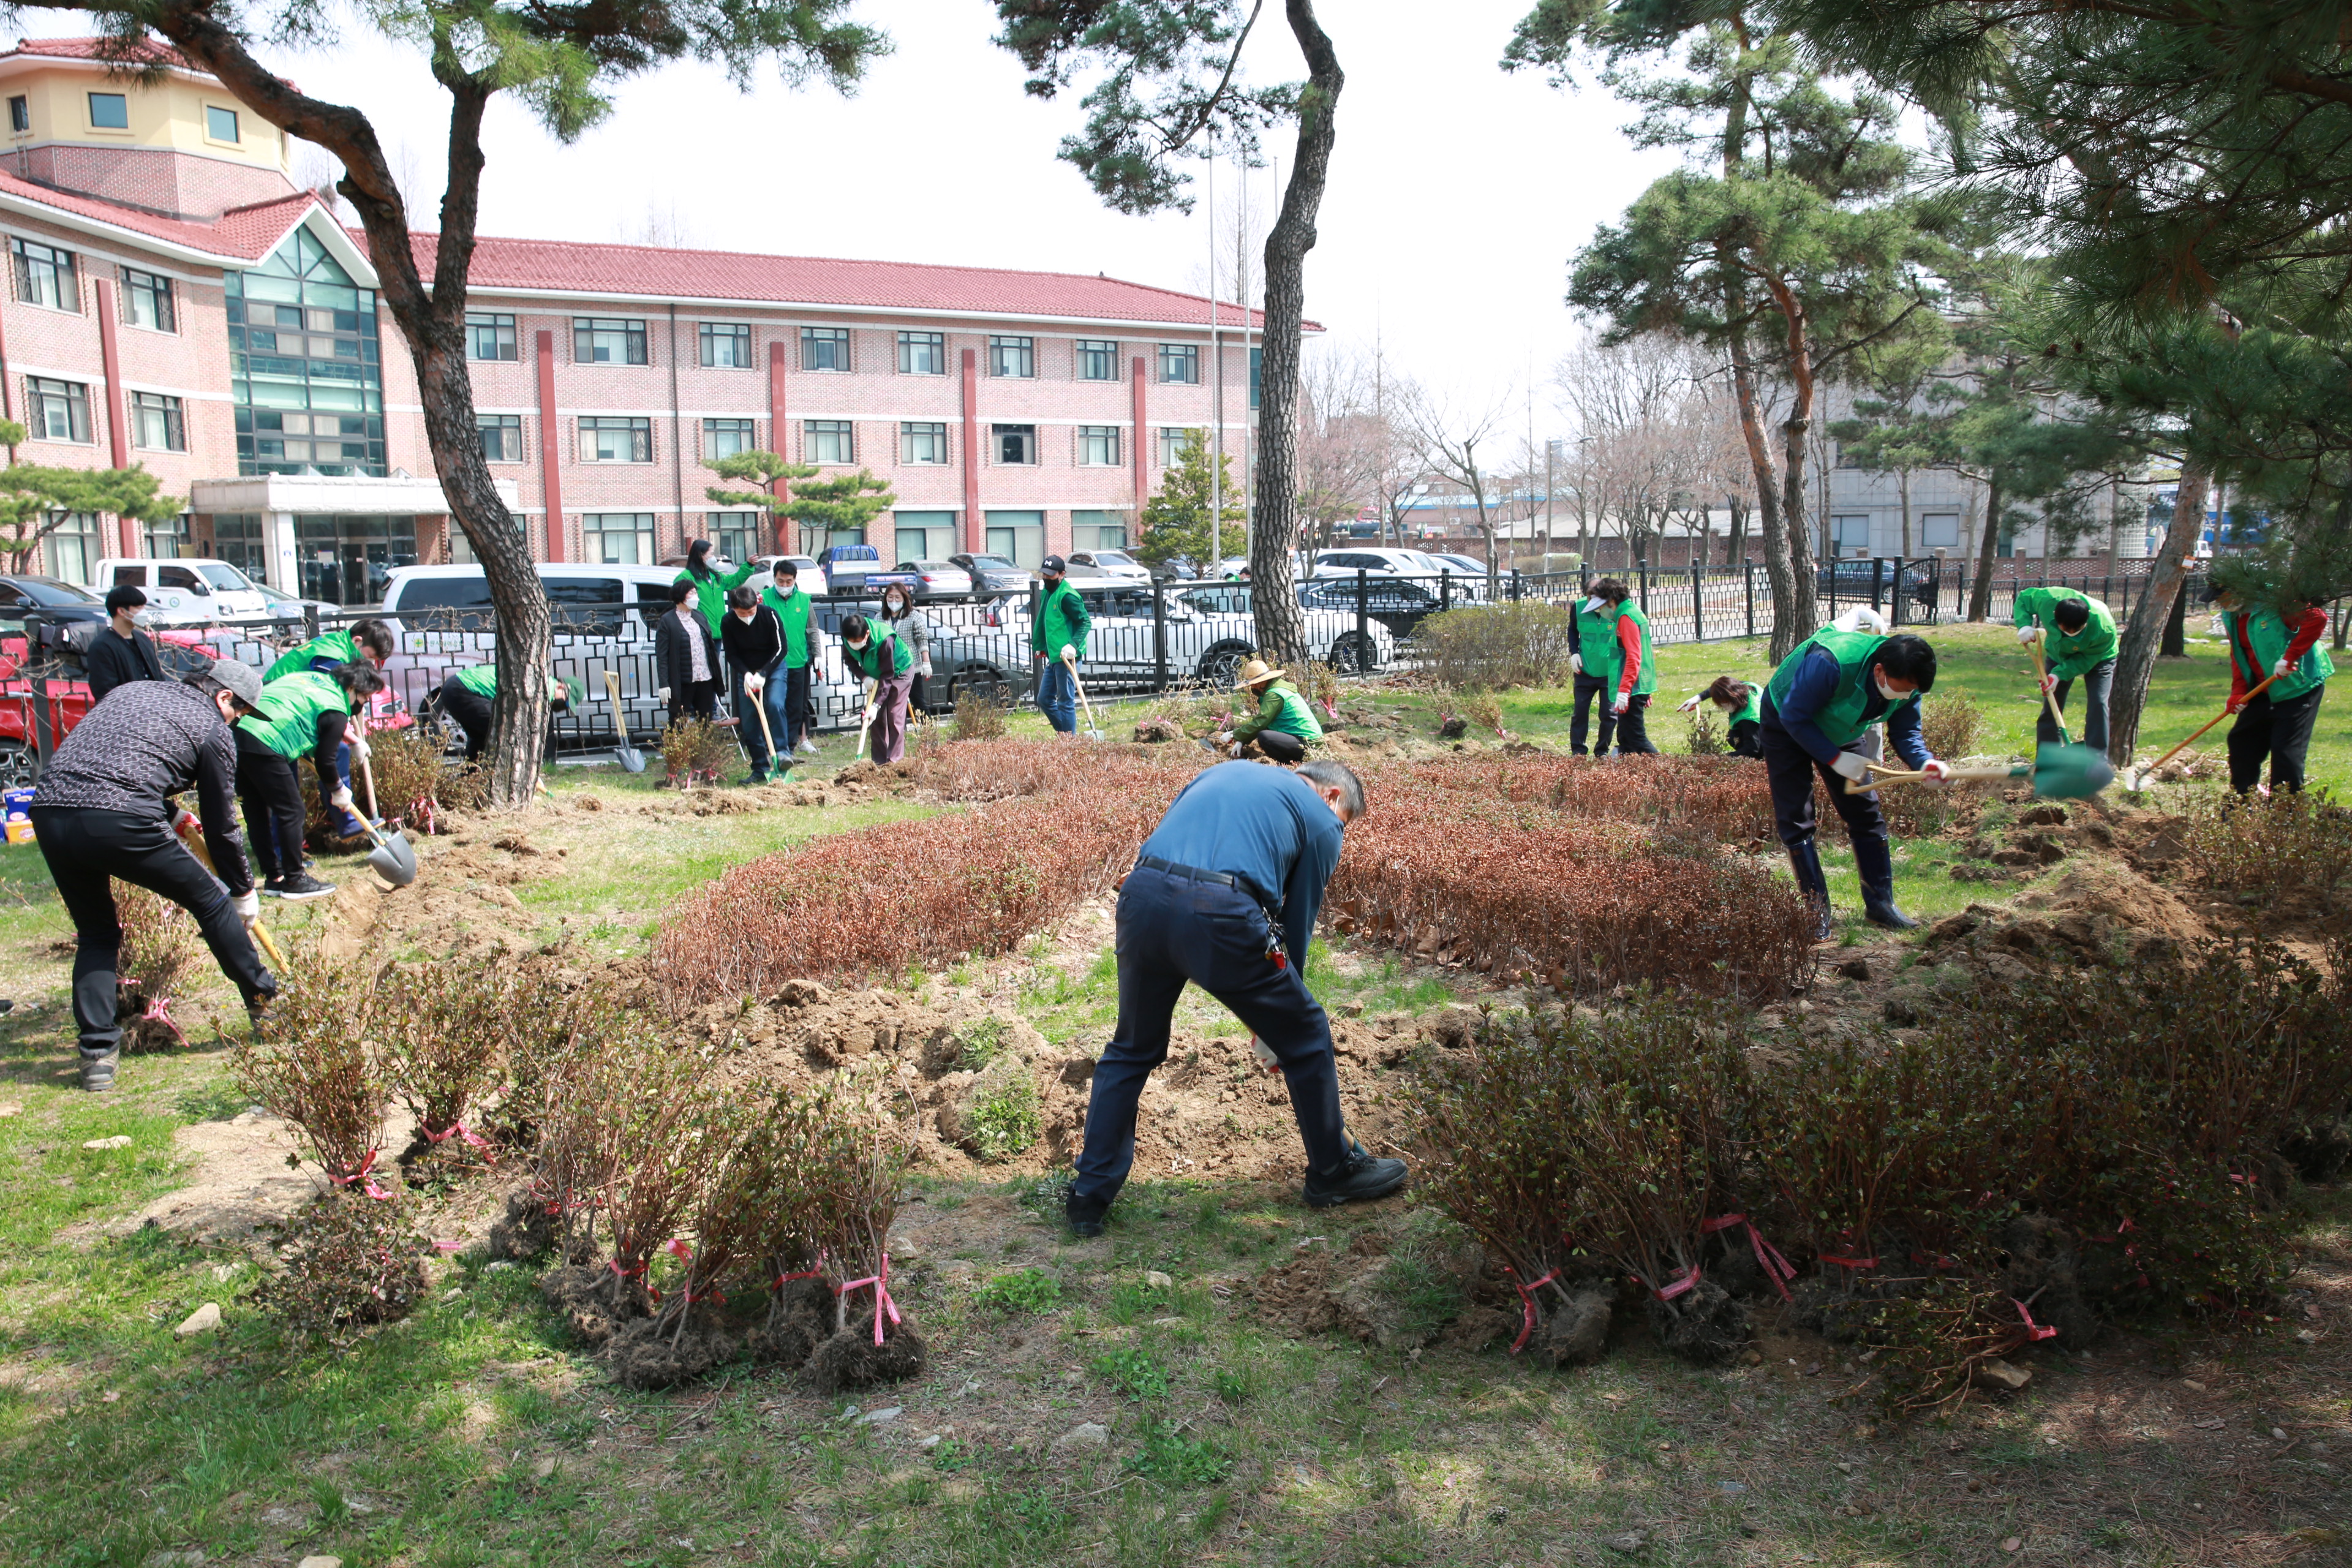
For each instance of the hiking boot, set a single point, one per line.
(98, 1068)
(1360, 1178)
(298, 889)
(1084, 1215)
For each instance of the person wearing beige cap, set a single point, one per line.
(1284, 726)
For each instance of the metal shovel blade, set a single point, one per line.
(2070, 772)
(394, 860)
(631, 759)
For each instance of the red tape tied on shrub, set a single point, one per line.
(637, 1273)
(2033, 1331)
(1777, 1268)
(1686, 1282)
(360, 1179)
(882, 1302)
(460, 1130)
(815, 1273)
(679, 1249)
(1526, 1304)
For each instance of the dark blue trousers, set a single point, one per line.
(1175, 928)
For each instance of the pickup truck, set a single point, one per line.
(847, 567)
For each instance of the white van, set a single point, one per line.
(186, 592)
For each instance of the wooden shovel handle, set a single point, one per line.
(2209, 723)
(2041, 679)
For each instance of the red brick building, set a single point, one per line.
(175, 300)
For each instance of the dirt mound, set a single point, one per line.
(1398, 1285)
(2099, 912)
(2106, 888)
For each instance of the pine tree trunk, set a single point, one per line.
(1281, 625)
(1776, 568)
(2135, 656)
(1980, 591)
(1903, 484)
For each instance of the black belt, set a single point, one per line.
(1239, 884)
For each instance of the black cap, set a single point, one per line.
(1054, 564)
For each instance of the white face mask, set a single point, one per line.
(1880, 681)
(1595, 605)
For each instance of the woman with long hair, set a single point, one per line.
(911, 628)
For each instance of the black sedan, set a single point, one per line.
(992, 574)
(1852, 581)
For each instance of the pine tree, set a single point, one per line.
(36, 499)
(1176, 518)
(769, 471)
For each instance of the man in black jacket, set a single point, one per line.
(122, 653)
(102, 812)
(754, 636)
(686, 659)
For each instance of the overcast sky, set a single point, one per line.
(1458, 192)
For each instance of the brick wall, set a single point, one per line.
(173, 183)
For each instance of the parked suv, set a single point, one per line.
(1852, 581)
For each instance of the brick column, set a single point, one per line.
(1142, 449)
(551, 447)
(975, 532)
(117, 438)
(776, 435)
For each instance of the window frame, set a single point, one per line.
(1187, 355)
(643, 527)
(1085, 348)
(20, 114)
(90, 107)
(638, 427)
(173, 415)
(997, 436)
(58, 261)
(747, 428)
(162, 301)
(1093, 438)
(501, 422)
(834, 341)
(636, 347)
(1000, 344)
(74, 395)
(504, 334)
(236, 125)
(707, 335)
(929, 430)
(937, 342)
(1173, 438)
(845, 429)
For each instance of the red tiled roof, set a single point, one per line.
(146, 51)
(649, 272)
(248, 232)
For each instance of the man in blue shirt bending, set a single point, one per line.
(1224, 895)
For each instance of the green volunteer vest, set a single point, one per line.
(1293, 714)
(793, 610)
(2270, 637)
(1596, 639)
(287, 717)
(710, 593)
(1057, 623)
(1647, 681)
(481, 680)
(2070, 654)
(866, 662)
(337, 646)
(1752, 712)
(1839, 719)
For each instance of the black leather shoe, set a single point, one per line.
(1359, 1179)
(1085, 1216)
(1890, 917)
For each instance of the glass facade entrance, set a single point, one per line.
(346, 559)
(303, 362)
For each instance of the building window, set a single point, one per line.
(237, 540)
(1013, 356)
(1257, 370)
(491, 336)
(220, 124)
(1940, 530)
(60, 409)
(165, 539)
(1099, 530)
(1097, 360)
(70, 549)
(156, 423)
(827, 441)
(1016, 445)
(147, 301)
(1181, 362)
(501, 437)
(20, 114)
(45, 276)
(110, 111)
(304, 366)
(824, 348)
(618, 538)
(1173, 440)
(1099, 445)
(1851, 532)
(737, 535)
(609, 439)
(920, 442)
(923, 353)
(601, 340)
(727, 438)
(727, 345)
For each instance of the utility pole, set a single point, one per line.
(1216, 376)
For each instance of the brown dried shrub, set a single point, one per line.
(695, 751)
(316, 1062)
(445, 1029)
(1950, 726)
(161, 944)
(417, 785)
(2287, 855)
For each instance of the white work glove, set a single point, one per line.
(340, 800)
(1576, 664)
(924, 669)
(1625, 701)
(1265, 1056)
(2049, 681)
(360, 748)
(755, 684)
(1939, 771)
(247, 905)
(2280, 669)
(1690, 706)
(2028, 635)
(1851, 766)
(661, 694)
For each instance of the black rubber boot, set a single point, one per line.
(1360, 1178)
(1085, 1217)
(98, 1068)
(1811, 881)
(1874, 860)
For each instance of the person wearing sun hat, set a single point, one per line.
(1284, 726)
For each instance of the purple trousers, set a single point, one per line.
(889, 737)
